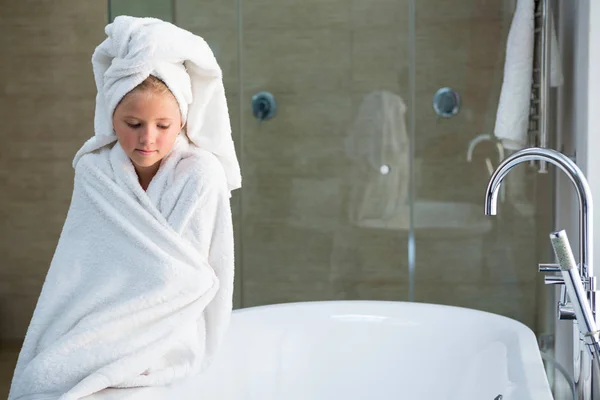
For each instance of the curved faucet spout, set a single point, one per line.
(577, 178)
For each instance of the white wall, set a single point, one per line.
(578, 122)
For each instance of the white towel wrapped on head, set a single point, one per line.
(139, 47)
(139, 291)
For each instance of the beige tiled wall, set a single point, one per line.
(162, 9)
(46, 105)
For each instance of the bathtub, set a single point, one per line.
(380, 350)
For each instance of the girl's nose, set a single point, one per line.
(147, 135)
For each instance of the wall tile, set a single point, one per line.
(292, 60)
(47, 108)
(291, 14)
(202, 15)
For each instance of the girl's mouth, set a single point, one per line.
(145, 152)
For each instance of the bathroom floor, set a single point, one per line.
(8, 359)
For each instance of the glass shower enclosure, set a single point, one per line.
(353, 121)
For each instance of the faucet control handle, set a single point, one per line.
(566, 312)
(554, 280)
(549, 268)
(589, 284)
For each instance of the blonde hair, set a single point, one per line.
(153, 84)
(150, 85)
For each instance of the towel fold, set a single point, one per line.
(139, 292)
(138, 47)
(512, 117)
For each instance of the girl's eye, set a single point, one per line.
(134, 125)
(163, 127)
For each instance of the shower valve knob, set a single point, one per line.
(446, 102)
(264, 106)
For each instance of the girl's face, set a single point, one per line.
(147, 124)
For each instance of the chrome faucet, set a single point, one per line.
(585, 379)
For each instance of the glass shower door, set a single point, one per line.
(325, 178)
(464, 258)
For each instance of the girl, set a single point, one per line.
(139, 292)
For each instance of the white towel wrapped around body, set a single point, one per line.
(139, 291)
